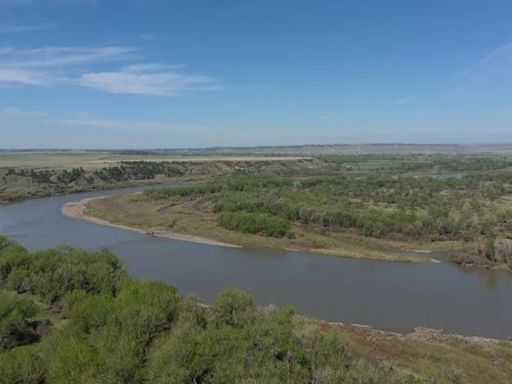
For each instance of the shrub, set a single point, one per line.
(256, 223)
(145, 310)
(88, 312)
(240, 344)
(12, 256)
(73, 359)
(234, 308)
(165, 193)
(22, 366)
(15, 314)
(53, 273)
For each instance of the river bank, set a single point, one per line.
(77, 210)
(189, 221)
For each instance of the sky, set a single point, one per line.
(202, 73)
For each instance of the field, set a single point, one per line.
(95, 160)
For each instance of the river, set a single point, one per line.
(386, 295)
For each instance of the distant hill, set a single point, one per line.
(317, 149)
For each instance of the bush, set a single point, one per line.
(12, 256)
(15, 314)
(22, 366)
(119, 330)
(146, 310)
(256, 223)
(165, 193)
(240, 344)
(73, 359)
(53, 273)
(234, 308)
(88, 312)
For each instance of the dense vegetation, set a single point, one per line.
(431, 163)
(385, 200)
(103, 327)
(254, 222)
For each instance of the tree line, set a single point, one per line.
(127, 171)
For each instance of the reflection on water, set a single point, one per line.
(393, 296)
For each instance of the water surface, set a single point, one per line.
(390, 296)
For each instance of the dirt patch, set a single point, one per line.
(78, 210)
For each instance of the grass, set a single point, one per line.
(92, 160)
(478, 361)
(194, 216)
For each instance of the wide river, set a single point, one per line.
(386, 295)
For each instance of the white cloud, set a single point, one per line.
(74, 66)
(147, 80)
(13, 76)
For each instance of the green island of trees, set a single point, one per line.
(375, 197)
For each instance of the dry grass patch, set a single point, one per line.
(195, 216)
(478, 361)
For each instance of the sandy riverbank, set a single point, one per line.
(190, 222)
(77, 210)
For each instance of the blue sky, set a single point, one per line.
(190, 73)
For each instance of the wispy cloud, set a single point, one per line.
(75, 66)
(61, 56)
(499, 54)
(10, 28)
(504, 50)
(11, 76)
(147, 80)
